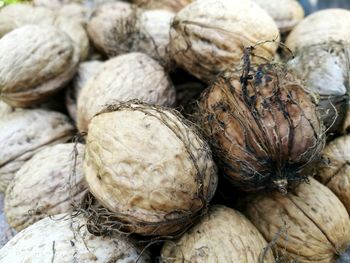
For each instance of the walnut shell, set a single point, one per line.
(25, 132)
(325, 70)
(320, 27)
(223, 235)
(149, 167)
(48, 61)
(346, 125)
(126, 77)
(286, 13)
(54, 4)
(208, 36)
(264, 129)
(335, 174)
(85, 71)
(118, 28)
(170, 5)
(308, 225)
(14, 16)
(45, 185)
(64, 239)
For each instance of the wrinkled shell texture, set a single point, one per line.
(64, 240)
(112, 27)
(45, 185)
(170, 5)
(263, 133)
(311, 224)
(208, 36)
(335, 174)
(85, 71)
(223, 235)
(325, 70)
(118, 28)
(14, 16)
(75, 11)
(26, 132)
(154, 26)
(149, 167)
(48, 60)
(53, 4)
(286, 13)
(320, 27)
(126, 77)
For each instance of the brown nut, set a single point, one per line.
(208, 36)
(126, 77)
(149, 167)
(335, 172)
(308, 225)
(35, 61)
(222, 235)
(24, 133)
(46, 185)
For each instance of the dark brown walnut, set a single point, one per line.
(263, 126)
(308, 225)
(35, 62)
(325, 70)
(335, 172)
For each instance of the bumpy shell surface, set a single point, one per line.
(23, 133)
(54, 4)
(35, 61)
(264, 129)
(64, 240)
(286, 13)
(325, 70)
(85, 71)
(320, 27)
(335, 173)
(126, 77)
(118, 28)
(170, 5)
(14, 16)
(112, 27)
(208, 36)
(45, 185)
(149, 167)
(309, 225)
(223, 235)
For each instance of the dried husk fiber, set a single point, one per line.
(48, 60)
(222, 235)
(118, 28)
(325, 68)
(335, 171)
(263, 127)
(26, 132)
(64, 238)
(149, 168)
(46, 185)
(209, 36)
(307, 225)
